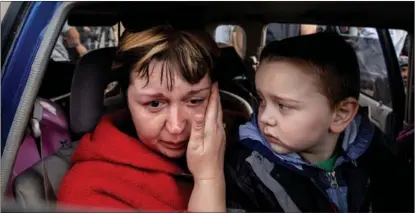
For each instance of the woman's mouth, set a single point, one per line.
(174, 145)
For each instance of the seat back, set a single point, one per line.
(233, 75)
(54, 133)
(29, 188)
(91, 77)
(86, 108)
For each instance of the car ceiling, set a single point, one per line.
(140, 15)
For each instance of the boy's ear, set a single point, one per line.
(344, 113)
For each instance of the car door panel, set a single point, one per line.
(379, 113)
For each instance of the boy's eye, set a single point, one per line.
(260, 101)
(283, 106)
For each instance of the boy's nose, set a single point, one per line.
(267, 118)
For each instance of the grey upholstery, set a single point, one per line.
(91, 76)
(29, 189)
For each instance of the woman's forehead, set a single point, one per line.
(165, 75)
(159, 81)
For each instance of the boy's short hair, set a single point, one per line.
(326, 55)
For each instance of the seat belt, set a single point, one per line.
(262, 167)
(37, 135)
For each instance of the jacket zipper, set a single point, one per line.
(335, 185)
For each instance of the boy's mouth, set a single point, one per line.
(272, 139)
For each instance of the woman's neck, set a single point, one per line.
(182, 163)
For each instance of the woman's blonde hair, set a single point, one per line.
(191, 52)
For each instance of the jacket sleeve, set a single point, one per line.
(235, 193)
(244, 191)
(79, 191)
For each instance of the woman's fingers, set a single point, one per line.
(212, 108)
(197, 132)
(219, 116)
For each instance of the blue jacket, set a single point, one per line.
(365, 177)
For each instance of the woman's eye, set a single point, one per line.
(196, 101)
(154, 104)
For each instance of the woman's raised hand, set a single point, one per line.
(205, 158)
(206, 148)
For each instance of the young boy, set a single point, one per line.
(309, 147)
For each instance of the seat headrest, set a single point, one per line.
(230, 64)
(91, 76)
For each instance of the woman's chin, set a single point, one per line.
(174, 153)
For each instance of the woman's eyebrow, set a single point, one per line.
(193, 92)
(161, 95)
(151, 94)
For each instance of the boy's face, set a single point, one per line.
(293, 115)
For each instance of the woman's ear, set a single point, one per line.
(344, 113)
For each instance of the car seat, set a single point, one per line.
(234, 75)
(49, 123)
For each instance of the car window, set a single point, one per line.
(365, 41)
(72, 44)
(231, 35)
(374, 78)
(76, 41)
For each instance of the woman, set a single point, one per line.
(163, 155)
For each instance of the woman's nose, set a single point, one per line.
(175, 122)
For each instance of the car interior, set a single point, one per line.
(71, 97)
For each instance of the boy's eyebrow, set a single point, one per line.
(284, 99)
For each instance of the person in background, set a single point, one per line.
(68, 38)
(403, 65)
(279, 31)
(98, 37)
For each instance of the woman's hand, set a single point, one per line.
(205, 158)
(206, 148)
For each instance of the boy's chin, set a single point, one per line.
(280, 149)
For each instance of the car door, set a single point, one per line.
(22, 30)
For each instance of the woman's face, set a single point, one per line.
(162, 116)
